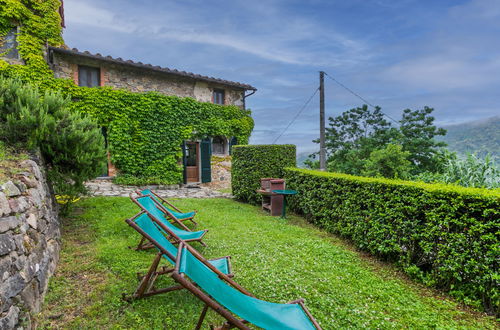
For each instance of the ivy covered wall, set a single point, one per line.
(145, 130)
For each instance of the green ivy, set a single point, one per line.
(145, 130)
(444, 235)
(253, 162)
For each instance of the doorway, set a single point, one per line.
(192, 163)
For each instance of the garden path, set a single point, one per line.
(104, 187)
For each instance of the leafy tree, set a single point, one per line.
(353, 135)
(391, 162)
(417, 137)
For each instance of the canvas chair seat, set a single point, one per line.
(261, 313)
(146, 224)
(147, 204)
(176, 213)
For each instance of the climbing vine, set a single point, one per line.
(145, 130)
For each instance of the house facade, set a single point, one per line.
(95, 70)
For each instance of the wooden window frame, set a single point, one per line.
(99, 74)
(221, 91)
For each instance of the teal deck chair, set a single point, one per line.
(143, 224)
(169, 209)
(147, 204)
(226, 297)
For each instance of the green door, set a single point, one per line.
(206, 157)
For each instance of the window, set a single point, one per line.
(218, 96)
(218, 145)
(89, 76)
(8, 46)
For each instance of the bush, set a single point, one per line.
(444, 235)
(253, 162)
(72, 145)
(390, 162)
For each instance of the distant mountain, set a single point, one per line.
(301, 157)
(480, 137)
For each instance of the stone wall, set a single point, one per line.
(29, 244)
(143, 80)
(221, 172)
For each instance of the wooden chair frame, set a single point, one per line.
(167, 212)
(232, 321)
(144, 245)
(146, 287)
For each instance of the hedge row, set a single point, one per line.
(253, 162)
(444, 235)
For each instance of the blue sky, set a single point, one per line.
(396, 54)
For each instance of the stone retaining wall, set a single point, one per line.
(29, 244)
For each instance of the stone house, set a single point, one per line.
(94, 70)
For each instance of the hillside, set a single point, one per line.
(481, 137)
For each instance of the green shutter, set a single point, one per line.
(206, 155)
(232, 142)
(184, 162)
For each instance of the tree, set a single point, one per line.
(353, 135)
(417, 137)
(391, 162)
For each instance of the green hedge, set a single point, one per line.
(252, 162)
(446, 236)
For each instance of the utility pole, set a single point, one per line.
(322, 152)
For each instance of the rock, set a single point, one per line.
(34, 168)
(22, 187)
(32, 221)
(6, 244)
(4, 205)
(31, 296)
(8, 223)
(5, 264)
(18, 205)
(29, 181)
(10, 189)
(35, 197)
(11, 319)
(13, 286)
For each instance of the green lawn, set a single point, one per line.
(277, 260)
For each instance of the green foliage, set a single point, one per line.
(39, 23)
(277, 260)
(354, 135)
(469, 172)
(253, 162)
(444, 235)
(145, 130)
(417, 136)
(71, 145)
(390, 162)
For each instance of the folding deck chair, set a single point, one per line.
(143, 224)
(148, 205)
(168, 208)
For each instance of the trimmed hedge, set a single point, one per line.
(444, 235)
(252, 162)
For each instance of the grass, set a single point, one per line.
(9, 163)
(277, 260)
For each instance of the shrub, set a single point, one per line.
(444, 235)
(390, 162)
(253, 162)
(71, 144)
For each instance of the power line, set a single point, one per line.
(297, 115)
(358, 96)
